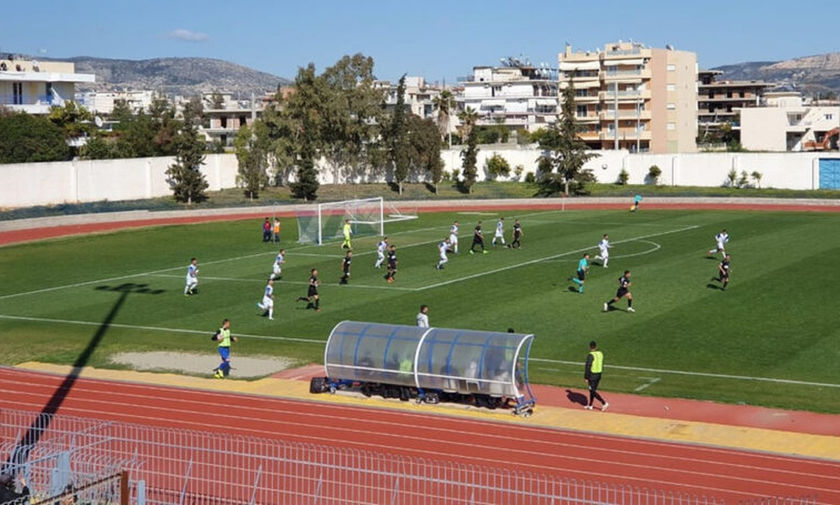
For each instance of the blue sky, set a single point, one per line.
(435, 39)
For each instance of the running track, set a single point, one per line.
(722, 473)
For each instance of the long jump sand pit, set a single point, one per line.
(244, 367)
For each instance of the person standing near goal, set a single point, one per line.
(347, 230)
(604, 248)
(192, 278)
(500, 232)
(277, 271)
(443, 247)
(381, 247)
(453, 236)
(267, 304)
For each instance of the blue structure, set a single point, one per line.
(432, 362)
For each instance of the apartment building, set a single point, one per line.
(419, 96)
(102, 102)
(34, 87)
(630, 96)
(517, 95)
(785, 122)
(224, 115)
(718, 100)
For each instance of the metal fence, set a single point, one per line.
(171, 466)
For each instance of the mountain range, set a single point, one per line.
(813, 75)
(175, 76)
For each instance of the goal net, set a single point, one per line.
(367, 217)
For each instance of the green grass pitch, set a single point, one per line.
(771, 338)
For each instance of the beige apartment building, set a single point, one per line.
(33, 87)
(629, 96)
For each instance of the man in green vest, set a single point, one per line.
(224, 338)
(592, 374)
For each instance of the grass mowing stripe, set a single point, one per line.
(695, 374)
(156, 328)
(323, 342)
(554, 256)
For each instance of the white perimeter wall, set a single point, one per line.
(28, 184)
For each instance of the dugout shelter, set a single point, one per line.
(487, 366)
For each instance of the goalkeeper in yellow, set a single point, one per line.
(347, 231)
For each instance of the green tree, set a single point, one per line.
(397, 139)
(74, 120)
(185, 177)
(565, 151)
(469, 158)
(444, 104)
(424, 148)
(653, 174)
(166, 128)
(121, 114)
(352, 113)
(468, 118)
(303, 116)
(496, 166)
(756, 175)
(251, 153)
(97, 148)
(27, 138)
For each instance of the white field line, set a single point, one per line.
(281, 281)
(323, 342)
(650, 382)
(619, 256)
(539, 260)
(695, 374)
(155, 328)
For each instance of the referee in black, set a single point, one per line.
(592, 374)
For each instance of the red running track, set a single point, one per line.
(714, 472)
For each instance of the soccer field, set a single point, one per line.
(772, 338)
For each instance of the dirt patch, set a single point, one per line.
(246, 367)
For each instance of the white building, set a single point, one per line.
(517, 95)
(419, 96)
(102, 102)
(785, 122)
(33, 87)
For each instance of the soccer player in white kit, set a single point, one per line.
(453, 236)
(279, 260)
(604, 246)
(500, 232)
(381, 247)
(192, 277)
(267, 304)
(721, 239)
(442, 248)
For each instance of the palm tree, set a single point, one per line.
(468, 117)
(444, 103)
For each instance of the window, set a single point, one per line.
(672, 67)
(17, 93)
(672, 126)
(672, 106)
(829, 117)
(672, 87)
(581, 111)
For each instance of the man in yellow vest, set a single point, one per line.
(592, 374)
(224, 338)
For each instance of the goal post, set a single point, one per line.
(367, 217)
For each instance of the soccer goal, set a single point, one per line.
(367, 217)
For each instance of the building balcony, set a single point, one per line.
(613, 74)
(591, 118)
(625, 114)
(625, 95)
(587, 99)
(625, 135)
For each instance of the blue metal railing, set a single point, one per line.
(12, 99)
